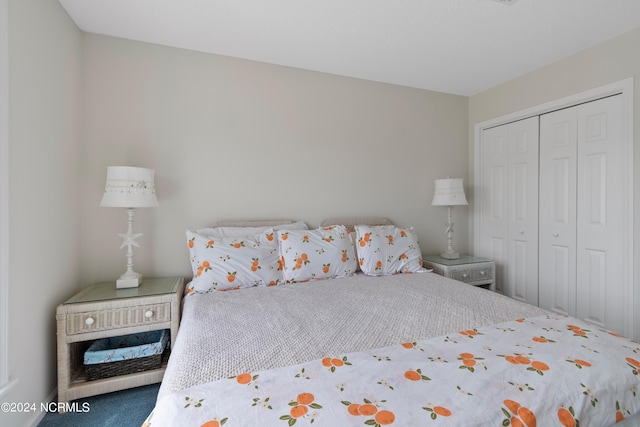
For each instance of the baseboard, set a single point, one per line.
(39, 415)
(4, 388)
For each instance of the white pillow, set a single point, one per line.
(233, 262)
(386, 249)
(324, 253)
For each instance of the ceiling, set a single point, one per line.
(460, 47)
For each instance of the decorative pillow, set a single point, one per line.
(324, 253)
(351, 222)
(240, 231)
(233, 262)
(386, 249)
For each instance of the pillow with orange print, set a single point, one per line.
(233, 262)
(387, 249)
(242, 231)
(325, 253)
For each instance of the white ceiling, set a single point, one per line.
(455, 46)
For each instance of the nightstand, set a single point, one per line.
(468, 269)
(101, 311)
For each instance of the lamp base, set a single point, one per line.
(450, 255)
(129, 281)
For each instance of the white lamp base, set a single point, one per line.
(450, 255)
(128, 280)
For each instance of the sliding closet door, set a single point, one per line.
(510, 206)
(558, 160)
(583, 213)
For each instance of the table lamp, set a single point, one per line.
(449, 192)
(129, 187)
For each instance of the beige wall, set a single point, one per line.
(609, 62)
(228, 139)
(231, 138)
(44, 76)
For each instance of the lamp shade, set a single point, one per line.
(129, 187)
(449, 192)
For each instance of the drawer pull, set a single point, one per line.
(89, 321)
(465, 275)
(148, 314)
(482, 273)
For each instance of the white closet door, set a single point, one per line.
(601, 214)
(521, 275)
(509, 206)
(558, 159)
(493, 204)
(583, 213)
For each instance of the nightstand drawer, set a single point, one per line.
(98, 320)
(469, 275)
(469, 269)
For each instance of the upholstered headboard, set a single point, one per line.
(350, 222)
(253, 223)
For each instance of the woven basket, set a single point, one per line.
(123, 355)
(123, 367)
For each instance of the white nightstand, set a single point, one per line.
(468, 269)
(101, 311)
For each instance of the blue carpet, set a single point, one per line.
(122, 409)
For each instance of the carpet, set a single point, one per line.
(122, 409)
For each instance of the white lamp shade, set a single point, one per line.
(449, 192)
(129, 187)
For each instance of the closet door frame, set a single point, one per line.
(626, 90)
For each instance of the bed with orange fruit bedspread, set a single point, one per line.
(403, 350)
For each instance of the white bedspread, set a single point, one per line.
(224, 334)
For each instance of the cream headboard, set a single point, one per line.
(352, 221)
(346, 221)
(253, 223)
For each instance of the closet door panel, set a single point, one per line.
(592, 295)
(522, 224)
(561, 273)
(557, 218)
(493, 206)
(518, 272)
(509, 206)
(601, 214)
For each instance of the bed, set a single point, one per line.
(375, 340)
